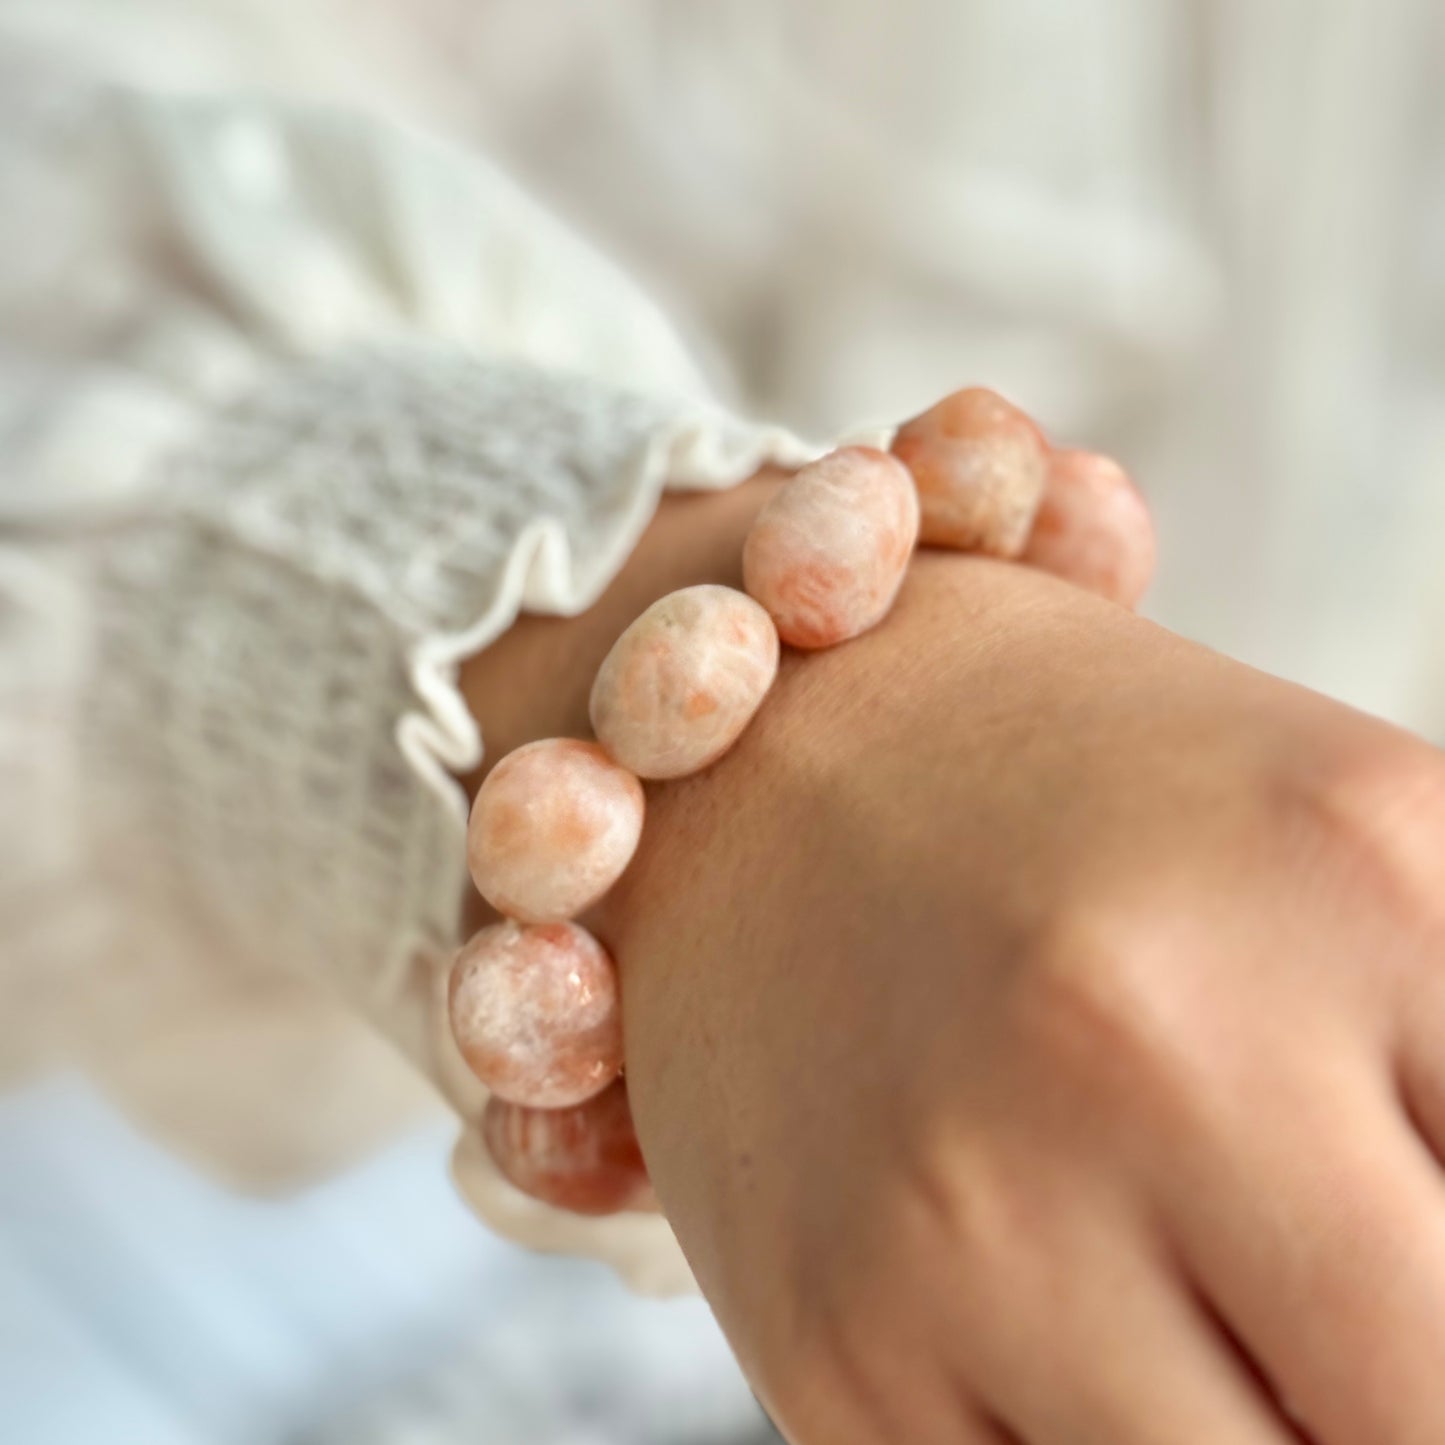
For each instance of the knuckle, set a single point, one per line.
(958, 1200)
(1381, 813)
(1106, 1000)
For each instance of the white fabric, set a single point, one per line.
(245, 296)
(354, 421)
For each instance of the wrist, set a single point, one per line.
(556, 824)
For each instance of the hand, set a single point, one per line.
(1036, 1031)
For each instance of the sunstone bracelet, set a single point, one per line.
(534, 1000)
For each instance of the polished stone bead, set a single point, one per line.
(535, 1012)
(681, 684)
(827, 555)
(1093, 528)
(980, 465)
(552, 828)
(584, 1159)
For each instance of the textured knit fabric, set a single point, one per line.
(273, 704)
(272, 719)
(331, 406)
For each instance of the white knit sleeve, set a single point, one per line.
(331, 405)
(272, 720)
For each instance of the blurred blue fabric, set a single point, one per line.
(141, 1306)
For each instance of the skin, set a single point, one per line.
(1036, 1023)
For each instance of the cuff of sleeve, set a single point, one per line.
(276, 719)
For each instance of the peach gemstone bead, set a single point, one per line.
(1093, 528)
(552, 828)
(585, 1159)
(827, 554)
(980, 465)
(535, 1012)
(684, 680)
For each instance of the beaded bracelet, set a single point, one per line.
(533, 1001)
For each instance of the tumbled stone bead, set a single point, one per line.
(980, 465)
(585, 1159)
(535, 1013)
(827, 554)
(1093, 528)
(681, 684)
(552, 828)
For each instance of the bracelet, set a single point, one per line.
(533, 1002)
